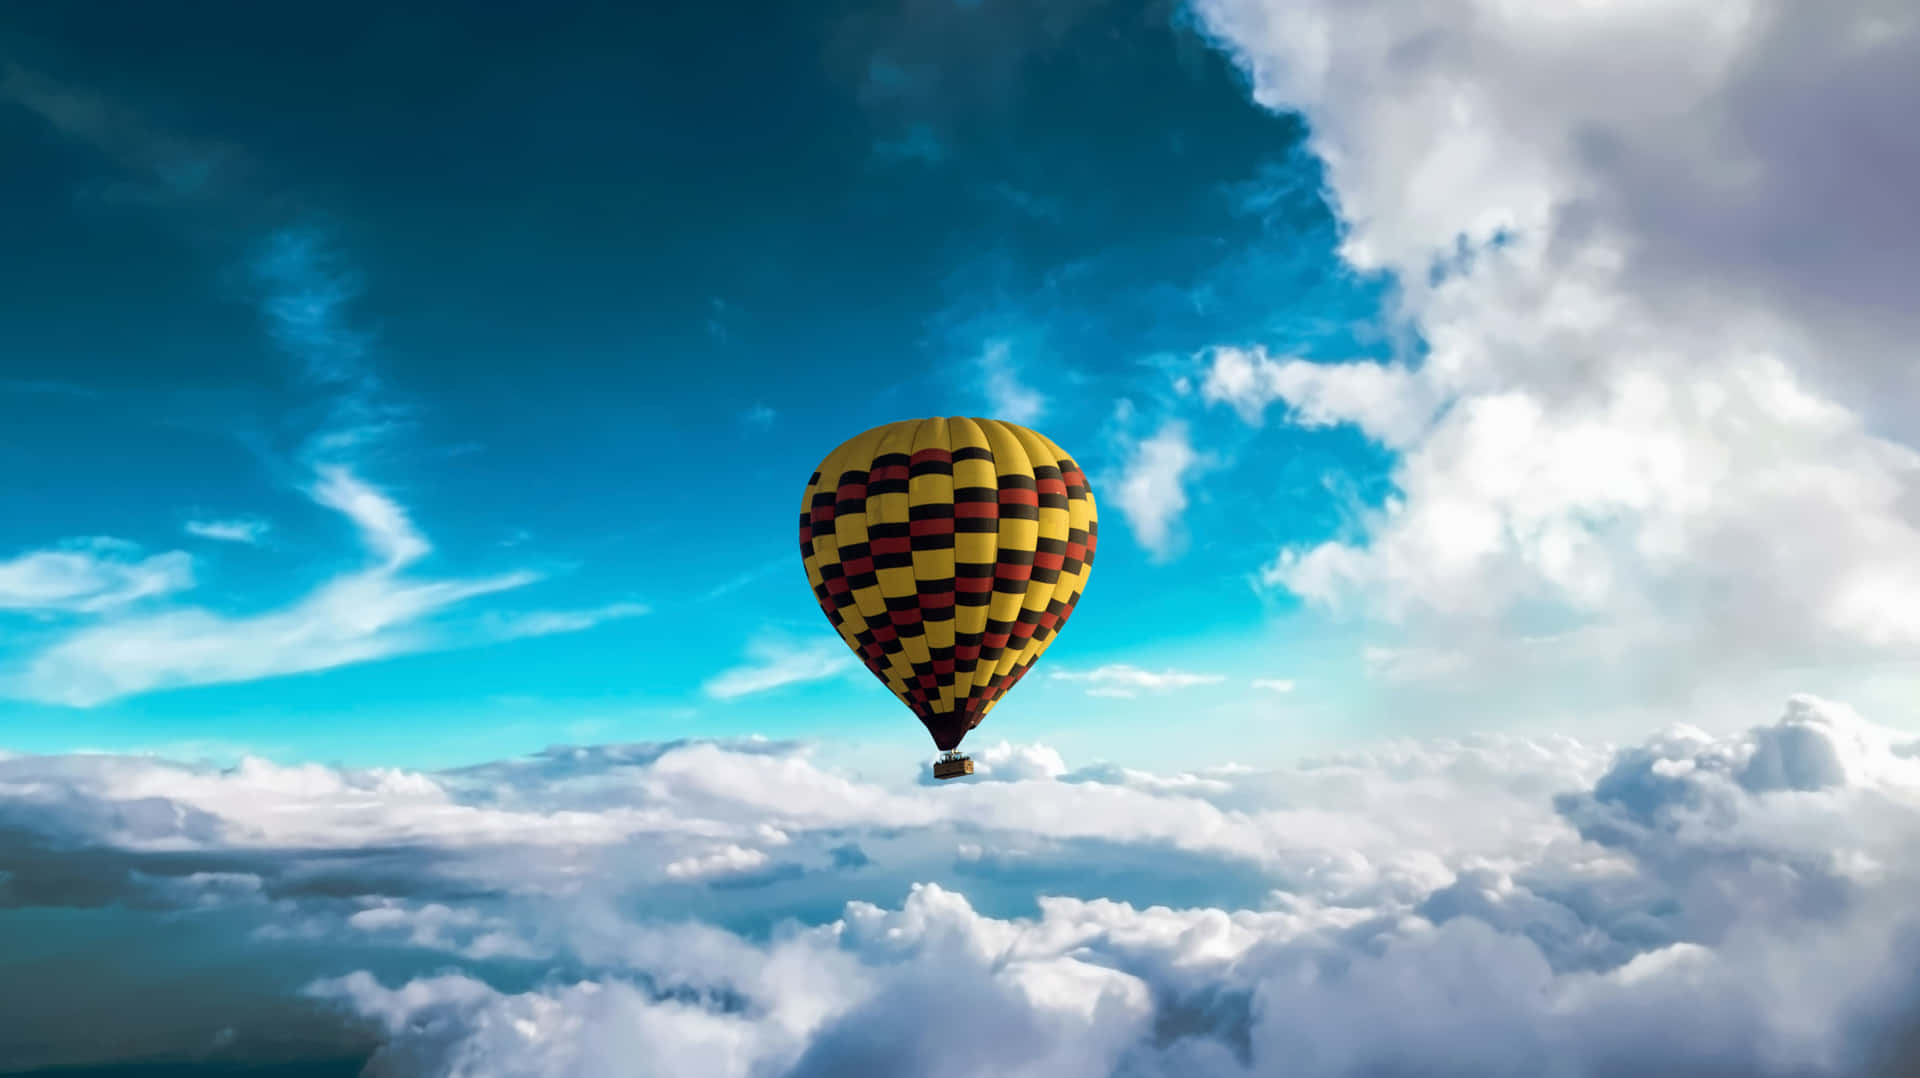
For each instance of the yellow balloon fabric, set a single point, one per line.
(948, 552)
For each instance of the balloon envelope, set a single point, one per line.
(948, 552)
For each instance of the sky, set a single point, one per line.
(1502, 648)
(538, 364)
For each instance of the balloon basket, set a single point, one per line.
(952, 765)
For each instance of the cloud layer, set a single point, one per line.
(1690, 905)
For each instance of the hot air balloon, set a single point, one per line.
(949, 553)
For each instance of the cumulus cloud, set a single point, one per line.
(726, 859)
(1689, 905)
(439, 927)
(1151, 489)
(90, 576)
(1651, 252)
(1385, 402)
(1008, 762)
(1569, 953)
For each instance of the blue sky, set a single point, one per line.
(585, 299)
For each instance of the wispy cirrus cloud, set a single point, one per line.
(549, 622)
(919, 144)
(741, 580)
(356, 617)
(247, 530)
(384, 526)
(775, 662)
(1124, 680)
(1010, 398)
(90, 576)
(308, 286)
(166, 167)
(304, 285)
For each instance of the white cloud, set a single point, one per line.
(356, 617)
(1011, 399)
(550, 622)
(777, 663)
(760, 415)
(1008, 762)
(150, 805)
(1273, 684)
(1151, 490)
(1651, 250)
(719, 862)
(741, 580)
(246, 530)
(1386, 402)
(1122, 677)
(383, 524)
(1692, 905)
(1414, 664)
(90, 576)
(439, 927)
(304, 287)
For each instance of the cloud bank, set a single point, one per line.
(1688, 905)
